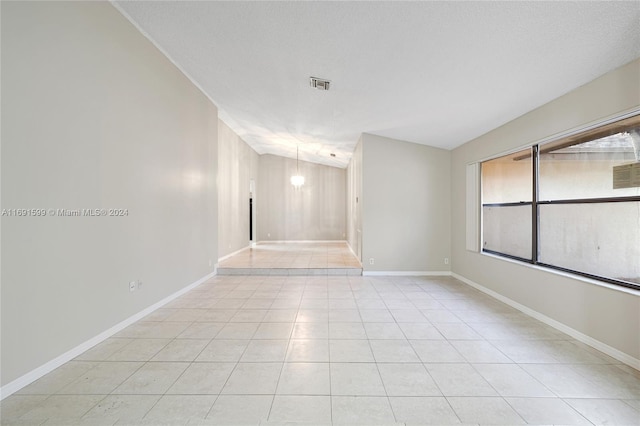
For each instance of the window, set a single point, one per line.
(572, 204)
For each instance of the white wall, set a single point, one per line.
(354, 201)
(93, 116)
(608, 315)
(237, 165)
(316, 211)
(406, 206)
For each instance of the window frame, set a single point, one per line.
(582, 136)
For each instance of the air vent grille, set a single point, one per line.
(319, 83)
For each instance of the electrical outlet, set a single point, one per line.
(446, 260)
(371, 261)
(132, 286)
(139, 285)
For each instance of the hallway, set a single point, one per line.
(293, 258)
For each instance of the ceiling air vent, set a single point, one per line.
(319, 83)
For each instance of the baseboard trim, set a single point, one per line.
(300, 241)
(581, 337)
(22, 381)
(407, 273)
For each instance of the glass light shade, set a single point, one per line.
(297, 181)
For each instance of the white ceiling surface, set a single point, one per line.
(434, 73)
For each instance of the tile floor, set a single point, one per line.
(263, 350)
(288, 258)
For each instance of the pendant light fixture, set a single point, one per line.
(297, 180)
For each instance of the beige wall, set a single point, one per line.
(316, 211)
(237, 166)
(605, 314)
(406, 206)
(93, 116)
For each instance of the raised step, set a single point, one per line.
(291, 271)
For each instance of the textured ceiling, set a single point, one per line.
(435, 73)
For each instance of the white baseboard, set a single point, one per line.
(300, 241)
(581, 337)
(46, 368)
(407, 273)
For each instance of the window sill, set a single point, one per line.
(575, 277)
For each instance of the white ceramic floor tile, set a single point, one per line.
(58, 378)
(459, 380)
(166, 330)
(479, 351)
(317, 330)
(181, 350)
(440, 316)
(635, 403)
(238, 331)
(202, 378)
(140, 350)
(483, 410)
(103, 350)
(299, 378)
(15, 406)
(347, 330)
(274, 330)
(253, 379)
(420, 331)
(376, 315)
(223, 351)
(606, 411)
(383, 330)
(564, 381)
(423, 410)
(124, 408)
(301, 409)
(240, 409)
(308, 350)
(218, 315)
(393, 351)
(153, 378)
(547, 411)
(436, 351)
(350, 351)
(102, 379)
(614, 382)
(61, 407)
(312, 315)
(188, 315)
(238, 348)
(356, 379)
(407, 380)
(344, 315)
(361, 410)
(280, 315)
(511, 380)
(201, 330)
(249, 315)
(180, 408)
(457, 331)
(265, 351)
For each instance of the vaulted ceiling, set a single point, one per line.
(434, 73)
